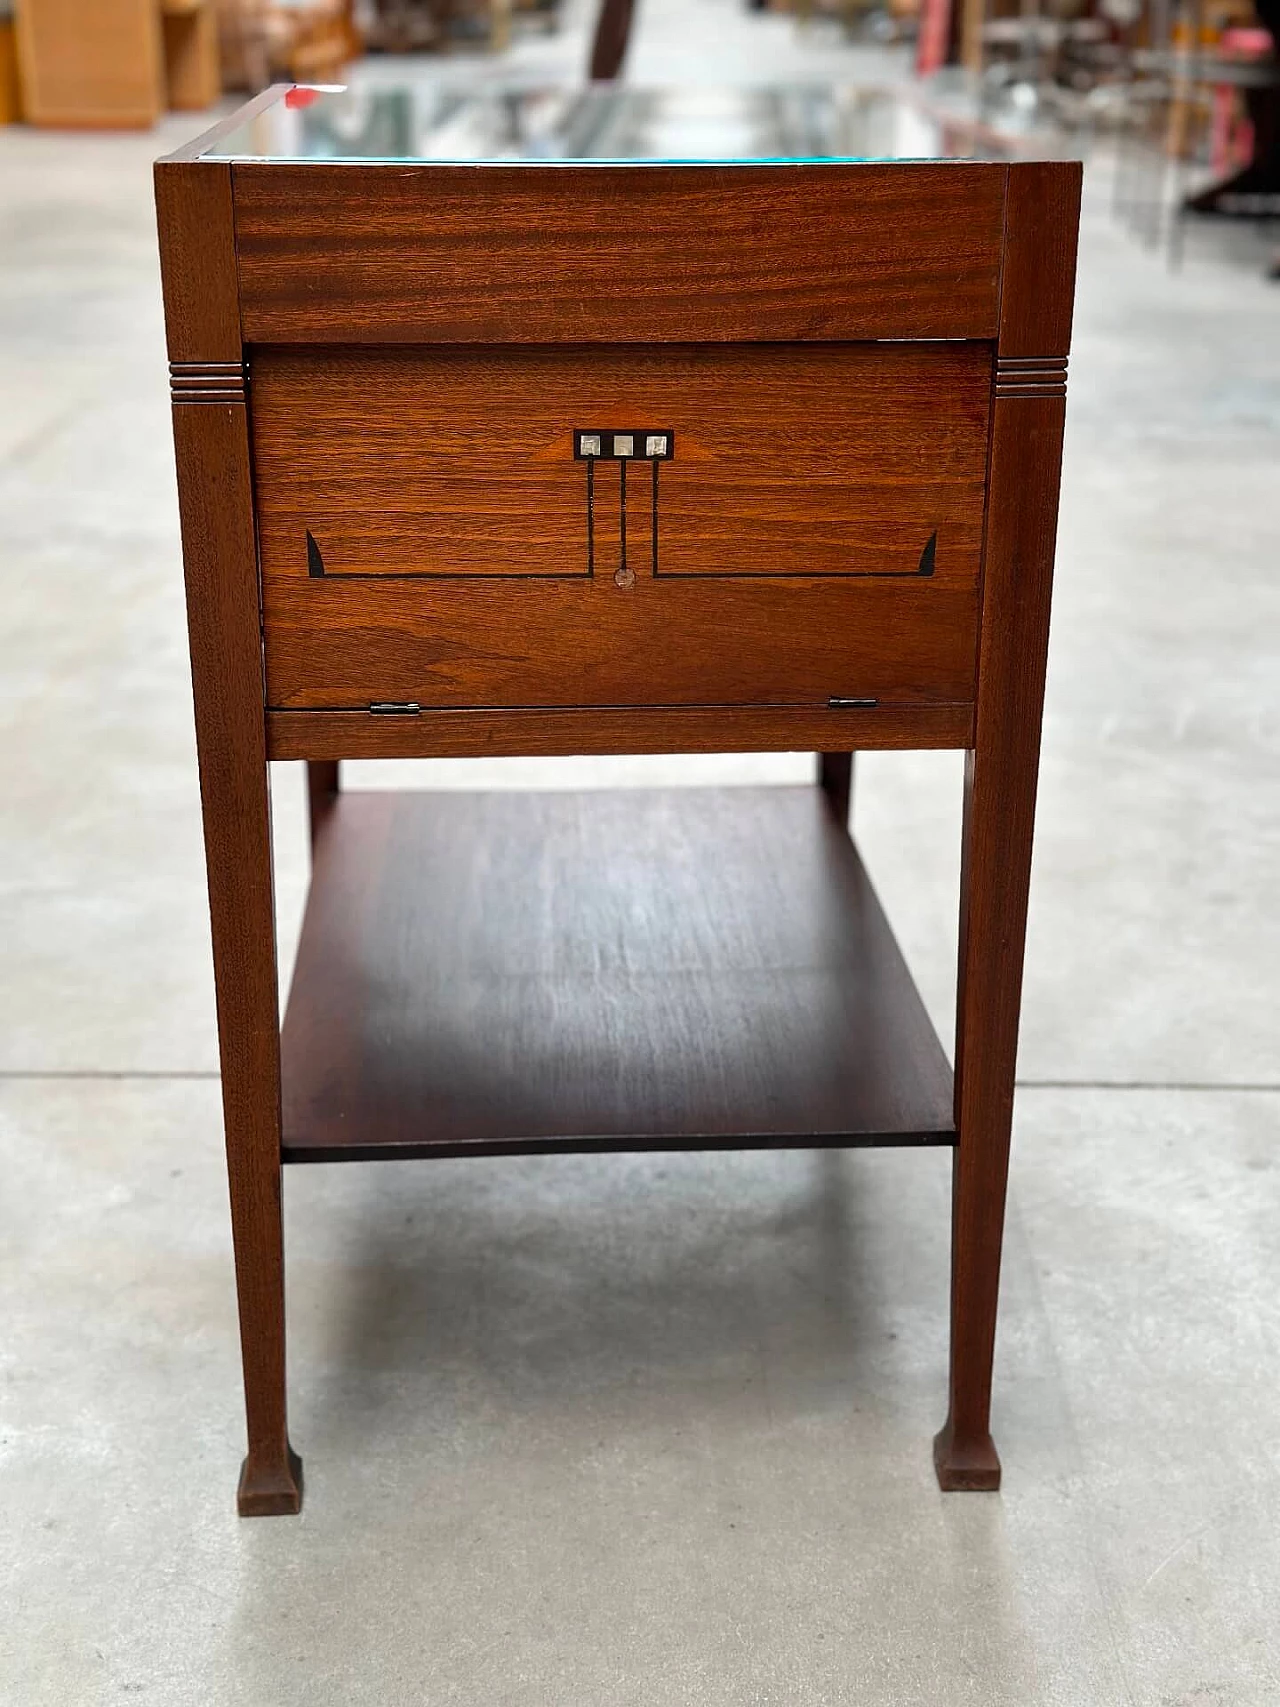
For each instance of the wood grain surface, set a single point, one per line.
(636, 969)
(201, 311)
(800, 459)
(476, 643)
(611, 729)
(1038, 272)
(503, 254)
(438, 493)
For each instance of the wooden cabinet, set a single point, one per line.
(611, 459)
(192, 72)
(10, 96)
(95, 66)
(115, 63)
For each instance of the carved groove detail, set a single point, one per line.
(207, 382)
(1031, 376)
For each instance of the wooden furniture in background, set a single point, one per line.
(260, 39)
(243, 45)
(10, 97)
(95, 66)
(192, 76)
(436, 26)
(473, 461)
(115, 63)
(321, 40)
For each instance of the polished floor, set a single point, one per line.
(652, 1430)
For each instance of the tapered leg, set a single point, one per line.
(323, 783)
(995, 870)
(999, 815)
(220, 562)
(221, 572)
(964, 1453)
(835, 778)
(249, 1037)
(271, 1475)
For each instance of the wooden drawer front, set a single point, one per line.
(430, 531)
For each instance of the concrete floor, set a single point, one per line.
(655, 1429)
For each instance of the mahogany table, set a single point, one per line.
(615, 456)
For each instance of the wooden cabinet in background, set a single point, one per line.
(191, 54)
(91, 66)
(115, 63)
(10, 103)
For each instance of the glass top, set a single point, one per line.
(500, 123)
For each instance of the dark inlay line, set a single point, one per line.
(454, 575)
(656, 460)
(591, 516)
(926, 566)
(622, 517)
(316, 568)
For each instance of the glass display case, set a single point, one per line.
(610, 422)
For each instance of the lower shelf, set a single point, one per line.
(626, 970)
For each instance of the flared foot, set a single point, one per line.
(970, 1465)
(273, 1490)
